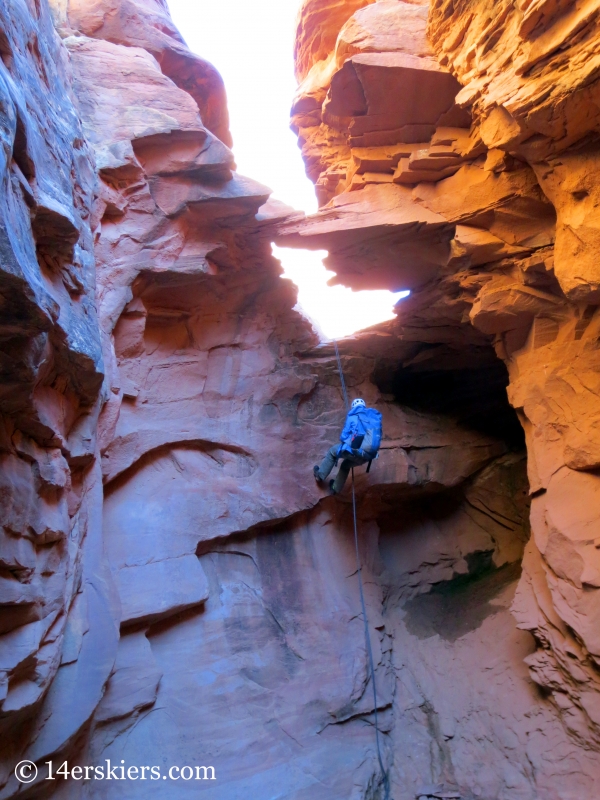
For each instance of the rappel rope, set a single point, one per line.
(384, 775)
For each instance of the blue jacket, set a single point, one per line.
(350, 426)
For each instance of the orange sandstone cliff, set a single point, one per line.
(454, 148)
(175, 590)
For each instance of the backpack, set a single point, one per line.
(364, 441)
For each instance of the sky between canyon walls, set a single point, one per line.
(251, 44)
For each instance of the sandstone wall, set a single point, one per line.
(176, 589)
(454, 150)
(59, 612)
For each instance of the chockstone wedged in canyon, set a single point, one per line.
(175, 588)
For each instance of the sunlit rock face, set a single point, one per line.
(176, 590)
(512, 175)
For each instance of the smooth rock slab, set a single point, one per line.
(162, 588)
(134, 682)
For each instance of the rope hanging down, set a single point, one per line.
(384, 775)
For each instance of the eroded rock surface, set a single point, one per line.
(59, 613)
(514, 178)
(176, 590)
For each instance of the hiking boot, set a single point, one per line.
(332, 487)
(317, 474)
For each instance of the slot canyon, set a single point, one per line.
(175, 588)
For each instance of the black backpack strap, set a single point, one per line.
(369, 467)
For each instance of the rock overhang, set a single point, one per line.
(235, 574)
(379, 231)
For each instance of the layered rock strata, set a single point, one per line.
(490, 220)
(176, 590)
(59, 619)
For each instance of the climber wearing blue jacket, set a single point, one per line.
(360, 442)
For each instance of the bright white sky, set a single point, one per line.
(250, 42)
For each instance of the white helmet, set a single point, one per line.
(358, 402)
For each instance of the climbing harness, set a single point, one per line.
(384, 774)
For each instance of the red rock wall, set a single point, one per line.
(540, 108)
(59, 625)
(204, 609)
(490, 220)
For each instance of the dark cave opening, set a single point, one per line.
(476, 397)
(438, 565)
(456, 607)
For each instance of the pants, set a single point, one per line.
(328, 463)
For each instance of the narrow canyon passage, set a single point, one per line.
(180, 600)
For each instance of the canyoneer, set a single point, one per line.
(360, 440)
